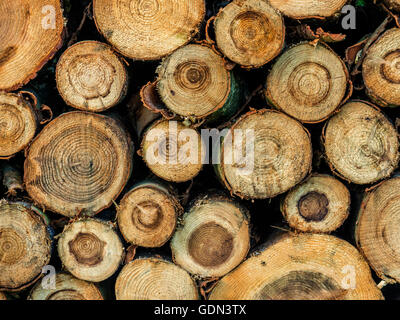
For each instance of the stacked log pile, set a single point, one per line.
(186, 150)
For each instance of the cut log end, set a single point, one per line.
(307, 9)
(381, 69)
(277, 155)
(393, 4)
(361, 144)
(67, 287)
(320, 204)
(91, 77)
(250, 33)
(90, 250)
(148, 29)
(147, 215)
(301, 267)
(213, 239)
(193, 81)
(172, 151)
(377, 232)
(315, 79)
(154, 279)
(27, 40)
(25, 246)
(18, 124)
(79, 163)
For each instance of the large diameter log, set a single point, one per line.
(381, 69)
(91, 77)
(377, 233)
(250, 33)
(265, 153)
(18, 123)
(172, 151)
(79, 163)
(147, 214)
(314, 80)
(320, 204)
(25, 246)
(301, 267)
(154, 279)
(148, 29)
(194, 82)
(361, 145)
(30, 34)
(90, 249)
(306, 9)
(213, 237)
(67, 287)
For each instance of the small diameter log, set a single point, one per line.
(320, 204)
(148, 29)
(213, 237)
(264, 154)
(154, 279)
(360, 143)
(393, 4)
(67, 288)
(381, 69)
(18, 123)
(91, 77)
(301, 267)
(79, 163)
(25, 246)
(250, 33)
(30, 34)
(306, 9)
(172, 151)
(377, 233)
(194, 82)
(147, 215)
(3, 296)
(314, 80)
(90, 249)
